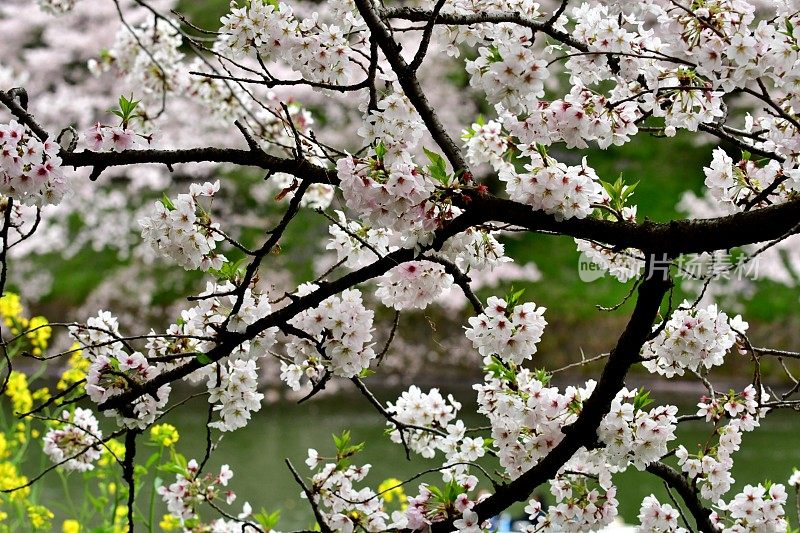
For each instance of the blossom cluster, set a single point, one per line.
(582, 504)
(583, 115)
(232, 382)
(744, 406)
(387, 189)
(555, 188)
(320, 52)
(486, 143)
(191, 490)
(196, 330)
(738, 185)
(633, 435)
(691, 339)
(487, 33)
(710, 467)
(356, 243)
(341, 329)
(510, 332)
(460, 450)
(392, 196)
(413, 285)
(344, 507)
(682, 108)
(510, 73)
(149, 56)
(527, 417)
(756, 508)
(429, 410)
(396, 124)
(102, 137)
(659, 517)
(474, 250)
(30, 169)
(76, 442)
(99, 335)
(679, 95)
(112, 375)
(114, 370)
(177, 231)
(236, 396)
(426, 423)
(525, 414)
(434, 504)
(783, 137)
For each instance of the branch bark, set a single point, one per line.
(407, 78)
(582, 433)
(678, 481)
(252, 158)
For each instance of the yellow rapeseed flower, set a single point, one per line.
(21, 432)
(121, 519)
(17, 390)
(4, 451)
(10, 478)
(393, 488)
(170, 523)
(38, 334)
(70, 526)
(41, 395)
(39, 516)
(115, 446)
(10, 308)
(164, 434)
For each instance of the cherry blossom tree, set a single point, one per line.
(418, 200)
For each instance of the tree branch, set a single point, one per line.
(679, 482)
(407, 79)
(583, 431)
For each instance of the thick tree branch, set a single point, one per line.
(20, 112)
(666, 240)
(229, 340)
(673, 238)
(678, 481)
(414, 14)
(582, 433)
(252, 158)
(407, 78)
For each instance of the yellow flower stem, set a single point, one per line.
(152, 520)
(3, 419)
(70, 503)
(37, 373)
(13, 349)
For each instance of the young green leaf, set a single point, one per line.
(203, 359)
(167, 203)
(642, 400)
